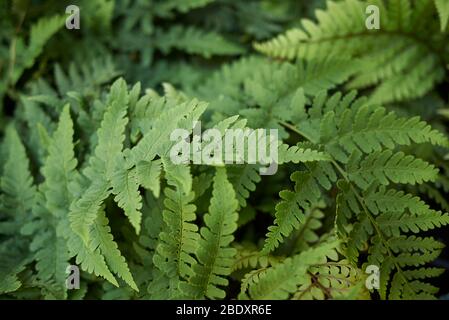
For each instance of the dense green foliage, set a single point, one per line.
(86, 178)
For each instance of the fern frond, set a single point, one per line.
(270, 87)
(50, 241)
(157, 138)
(290, 211)
(40, 33)
(85, 78)
(17, 198)
(387, 166)
(283, 279)
(12, 263)
(388, 245)
(331, 280)
(307, 234)
(195, 41)
(148, 174)
(394, 223)
(89, 258)
(370, 128)
(52, 255)
(398, 57)
(103, 240)
(244, 179)
(178, 239)
(125, 184)
(252, 258)
(301, 153)
(17, 187)
(83, 211)
(60, 165)
(215, 255)
(412, 243)
(383, 199)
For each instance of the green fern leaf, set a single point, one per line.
(195, 41)
(16, 183)
(178, 239)
(396, 57)
(110, 143)
(290, 211)
(40, 33)
(215, 256)
(103, 239)
(125, 184)
(443, 11)
(281, 280)
(387, 166)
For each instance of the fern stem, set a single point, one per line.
(296, 130)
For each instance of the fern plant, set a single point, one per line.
(399, 59)
(87, 180)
